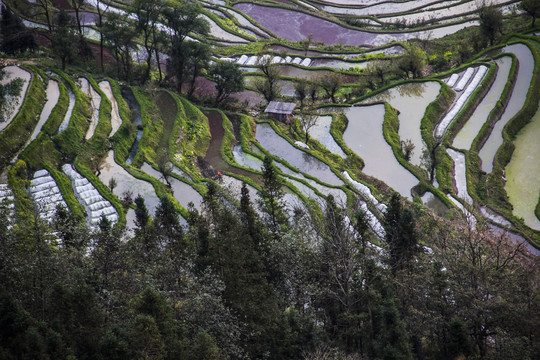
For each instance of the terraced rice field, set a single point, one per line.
(470, 127)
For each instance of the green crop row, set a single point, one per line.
(17, 133)
(71, 140)
(125, 135)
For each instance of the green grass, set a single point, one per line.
(71, 140)
(17, 133)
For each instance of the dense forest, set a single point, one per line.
(375, 274)
(237, 285)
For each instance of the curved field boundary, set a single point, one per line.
(17, 133)
(58, 112)
(514, 125)
(70, 141)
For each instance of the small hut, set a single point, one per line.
(280, 111)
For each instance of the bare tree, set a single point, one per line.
(308, 119)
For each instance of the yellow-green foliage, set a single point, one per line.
(18, 182)
(151, 120)
(97, 146)
(17, 133)
(58, 112)
(190, 136)
(125, 135)
(41, 151)
(71, 140)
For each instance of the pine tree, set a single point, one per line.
(272, 195)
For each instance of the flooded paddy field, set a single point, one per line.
(523, 173)
(517, 99)
(411, 100)
(364, 136)
(304, 162)
(468, 132)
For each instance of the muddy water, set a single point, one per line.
(295, 26)
(364, 136)
(447, 11)
(339, 64)
(517, 99)
(63, 126)
(126, 182)
(411, 100)
(523, 173)
(116, 121)
(213, 155)
(182, 191)
(53, 93)
(321, 133)
(435, 204)
(278, 146)
(135, 108)
(468, 132)
(218, 32)
(13, 72)
(381, 8)
(95, 102)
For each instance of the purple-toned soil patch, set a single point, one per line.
(295, 26)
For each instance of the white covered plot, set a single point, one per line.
(6, 198)
(464, 79)
(46, 194)
(95, 204)
(306, 62)
(366, 191)
(471, 220)
(95, 102)
(460, 103)
(460, 175)
(252, 61)
(452, 80)
(242, 60)
(116, 120)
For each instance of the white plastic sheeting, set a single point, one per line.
(6, 198)
(471, 220)
(301, 144)
(86, 193)
(46, 194)
(458, 105)
(452, 80)
(242, 60)
(306, 62)
(297, 60)
(464, 79)
(460, 174)
(366, 191)
(276, 60)
(251, 61)
(374, 223)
